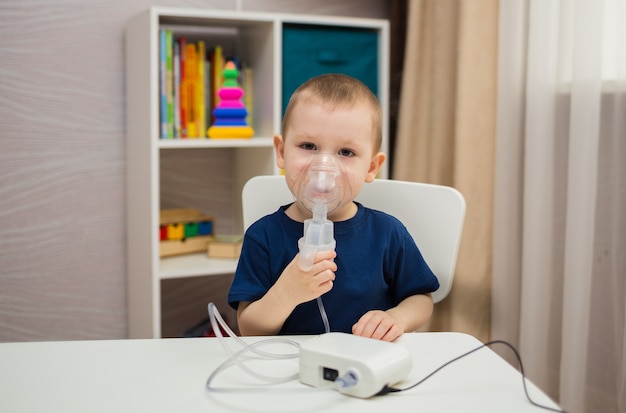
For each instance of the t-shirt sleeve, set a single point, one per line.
(252, 278)
(409, 273)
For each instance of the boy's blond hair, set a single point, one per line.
(337, 90)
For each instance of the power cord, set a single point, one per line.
(388, 389)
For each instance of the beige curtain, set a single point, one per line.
(559, 284)
(446, 135)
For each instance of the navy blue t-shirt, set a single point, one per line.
(378, 266)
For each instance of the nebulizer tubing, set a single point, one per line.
(217, 324)
(320, 192)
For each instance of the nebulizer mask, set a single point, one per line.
(320, 192)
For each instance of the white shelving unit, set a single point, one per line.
(203, 173)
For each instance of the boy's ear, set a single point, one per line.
(375, 164)
(279, 150)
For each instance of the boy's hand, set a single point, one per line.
(294, 286)
(300, 286)
(379, 325)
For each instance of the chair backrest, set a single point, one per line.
(433, 214)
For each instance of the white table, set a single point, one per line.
(169, 375)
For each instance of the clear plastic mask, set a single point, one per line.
(323, 184)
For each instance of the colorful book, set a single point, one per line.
(183, 89)
(208, 75)
(190, 84)
(176, 89)
(169, 75)
(163, 82)
(217, 66)
(199, 87)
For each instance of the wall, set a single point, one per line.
(62, 159)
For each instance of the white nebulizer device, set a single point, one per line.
(360, 366)
(321, 191)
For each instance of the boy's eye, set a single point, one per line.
(346, 152)
(308, 146)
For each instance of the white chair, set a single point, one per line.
(433, 214)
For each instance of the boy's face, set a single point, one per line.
(346, 132)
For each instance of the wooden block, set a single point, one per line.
(191, 229)
(225, 246)
(175, 231)
(205, 228)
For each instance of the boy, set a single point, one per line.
(376, 283)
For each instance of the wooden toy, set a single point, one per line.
(184, 231)
(230, 113)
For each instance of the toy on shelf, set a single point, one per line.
(184, 231)
(230, 113)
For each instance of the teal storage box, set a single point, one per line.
(311, 50)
